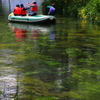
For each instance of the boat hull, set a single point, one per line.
(32, 19)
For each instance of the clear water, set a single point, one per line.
(50, 62)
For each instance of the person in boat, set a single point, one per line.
(52, 9)
(34, 8)
(23, 9)
(17, 10)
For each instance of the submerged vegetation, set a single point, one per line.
(53, 66)
(64, 69)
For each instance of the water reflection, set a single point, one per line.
(8, 82)
(35, 70)
(20, 34)
(27, 31)
(52, 66)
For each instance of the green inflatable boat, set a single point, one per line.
(32, 19)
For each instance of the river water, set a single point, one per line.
(50, 62)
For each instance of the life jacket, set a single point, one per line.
(23, 12)
(17, 10)
(35, 8)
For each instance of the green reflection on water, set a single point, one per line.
(62, 66)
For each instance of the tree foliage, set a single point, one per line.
(65, 7)
(91, 11)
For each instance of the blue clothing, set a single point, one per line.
(52, 10)
(32, 14)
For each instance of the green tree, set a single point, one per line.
(65, 7)
(91, 11)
